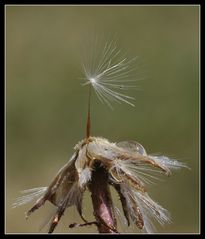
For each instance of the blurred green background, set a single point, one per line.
(46, 103)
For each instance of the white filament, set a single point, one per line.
(109, 74)
(31, 194)
(85, 177)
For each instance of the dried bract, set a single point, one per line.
(128, 167)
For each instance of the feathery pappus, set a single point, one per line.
(98, 164)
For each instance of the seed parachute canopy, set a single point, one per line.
(110, 73)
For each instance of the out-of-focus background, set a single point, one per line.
(46, 102)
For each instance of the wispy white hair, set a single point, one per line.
(110, 73)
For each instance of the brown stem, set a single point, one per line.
(102, 201)
(88, 126)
